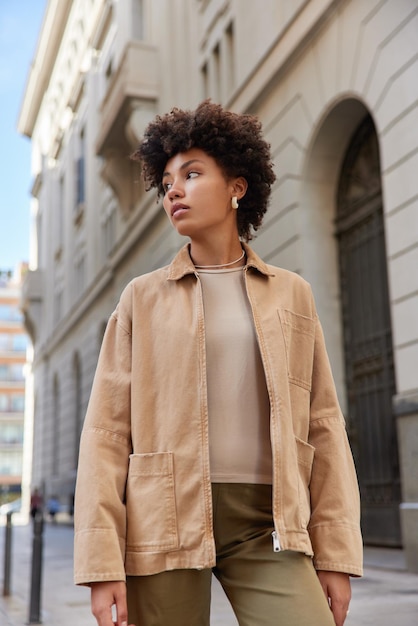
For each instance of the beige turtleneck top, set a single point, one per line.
(239, 411)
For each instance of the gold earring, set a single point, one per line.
(234, 202)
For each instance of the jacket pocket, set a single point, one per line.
(150, 503)
(299, 338)
(305, 453)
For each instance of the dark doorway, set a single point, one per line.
(369, 364)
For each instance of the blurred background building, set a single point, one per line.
(13, 354)
(335, 85)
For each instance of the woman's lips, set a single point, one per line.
(178, 209)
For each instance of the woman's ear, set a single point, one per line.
(239, 187)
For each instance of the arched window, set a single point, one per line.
(78, 406)
(56, 418)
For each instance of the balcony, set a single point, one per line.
(128, 106)
(31, 301)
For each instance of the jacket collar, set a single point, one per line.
(182, 263)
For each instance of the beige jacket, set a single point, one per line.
(143, 496)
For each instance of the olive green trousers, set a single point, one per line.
(265, 588)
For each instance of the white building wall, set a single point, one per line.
(310, 69)
(368, 52)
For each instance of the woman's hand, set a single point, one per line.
(337, 589)
(103, 596)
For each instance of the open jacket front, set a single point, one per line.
(143, 497)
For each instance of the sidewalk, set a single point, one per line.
(386, 596)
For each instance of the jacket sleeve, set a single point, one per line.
(335, 504)
(99, 514)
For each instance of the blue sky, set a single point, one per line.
(20, 23)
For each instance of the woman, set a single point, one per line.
(213, 440)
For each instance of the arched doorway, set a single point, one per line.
(369, 367)
(78, 407)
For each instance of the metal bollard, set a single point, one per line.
(7, 555)
(36, 577)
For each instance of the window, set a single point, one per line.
(19, 342)
(11, 463)
(11, 371)
(17, 403)
(56, 417)
(80, 274)
(11, 434)
(14, 403)
(137, 20)
(16, 370)
(58, 299)
(109, 71)
(4, 402)
(205, 81)
(218, 69)
(10, 313)
(80, 171)
(108, 224)
(78, 406)
(229, 57)
(58, 291)
(13, 342)
(60, 213)
(39, 239)
(80, 180)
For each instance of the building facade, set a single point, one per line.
(334, 83)
(13, 349)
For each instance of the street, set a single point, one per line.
(386, 596)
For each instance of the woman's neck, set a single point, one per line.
(217, 257)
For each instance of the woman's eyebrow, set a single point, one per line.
(185, 165)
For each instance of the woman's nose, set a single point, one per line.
(175, 191)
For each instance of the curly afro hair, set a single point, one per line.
(233, 140)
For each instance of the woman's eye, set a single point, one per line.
(192, 174)
(167, 187)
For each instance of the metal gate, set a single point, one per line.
(368, 338)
